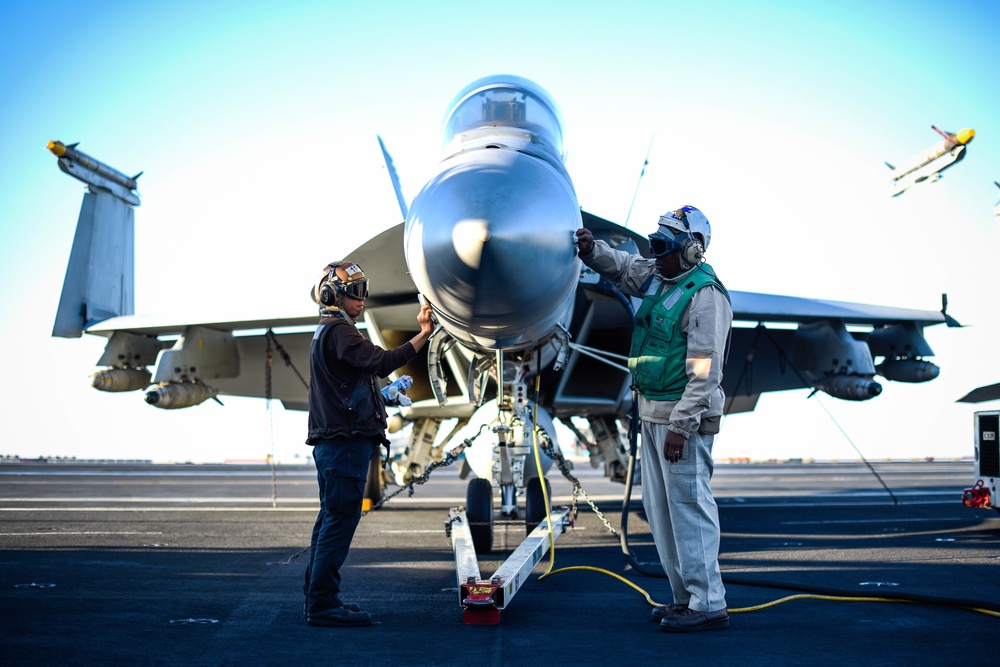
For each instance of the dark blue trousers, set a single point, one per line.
(341, 469)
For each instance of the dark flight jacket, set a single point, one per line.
(344, 394)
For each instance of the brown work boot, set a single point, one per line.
(660, 612)
(690, 620)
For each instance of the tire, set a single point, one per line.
(534, 503)
(479, 512)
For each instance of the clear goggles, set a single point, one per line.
(357, 289)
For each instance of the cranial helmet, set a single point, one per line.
(685, 229)
(340, 279)
(691, 220)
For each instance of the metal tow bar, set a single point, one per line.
(482, 600)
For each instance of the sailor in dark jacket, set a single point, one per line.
(347, 422)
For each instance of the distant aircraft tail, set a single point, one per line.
(893, 167)
(99, 282)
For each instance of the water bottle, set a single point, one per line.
(395, 391)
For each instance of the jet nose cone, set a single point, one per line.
(469, 238)
(489, 241)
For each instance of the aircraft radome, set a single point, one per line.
(526, 335)
(927, 165)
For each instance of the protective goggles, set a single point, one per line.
(660, 244)
(357, 289)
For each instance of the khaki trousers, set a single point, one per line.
(683, 517)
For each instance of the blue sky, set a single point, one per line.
(255, 125)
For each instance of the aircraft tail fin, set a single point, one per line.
(394, 177)
(99, 281)
(893, 167)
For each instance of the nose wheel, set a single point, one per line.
(479, 511)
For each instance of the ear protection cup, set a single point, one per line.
(691, 250)
(327, 294)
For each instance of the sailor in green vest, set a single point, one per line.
(678, 350)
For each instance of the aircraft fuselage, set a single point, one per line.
(489, 238)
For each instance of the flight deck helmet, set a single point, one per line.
(686, 229)
(340, 279)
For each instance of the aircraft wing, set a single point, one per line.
(762, 357)
(230, 354)
(756, 307)
(820, 353)
(158, 325)
(768, 353)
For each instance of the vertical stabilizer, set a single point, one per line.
(394, 177)
(99, 281)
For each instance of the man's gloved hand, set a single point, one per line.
(584, 242)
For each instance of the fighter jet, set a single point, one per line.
(525, 334)
(927, 165)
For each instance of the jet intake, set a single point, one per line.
(172, 395)
(850, 387)
(120, 379)
(908, 370)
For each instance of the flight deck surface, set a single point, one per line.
(203, 565)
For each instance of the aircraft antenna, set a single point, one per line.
(642, 173)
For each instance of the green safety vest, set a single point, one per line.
(658, 357)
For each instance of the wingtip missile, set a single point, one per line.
(95, 173)
(927, 166)
(58, 148)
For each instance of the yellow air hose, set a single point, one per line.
(588, 568)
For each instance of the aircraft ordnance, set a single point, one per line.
(171, 395)
(120, 379)
(850, 388)
(928, 165)
(95, 173)
(908, 370)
